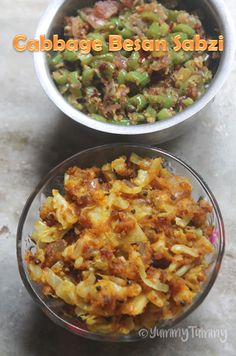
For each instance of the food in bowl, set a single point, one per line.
(131, 88)
(123, 246)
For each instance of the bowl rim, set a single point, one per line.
(219, 79)
(86, 333)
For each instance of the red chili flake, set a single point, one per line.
(143, 55)
(102, 67)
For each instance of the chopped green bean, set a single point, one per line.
(124, 53)
(63, 88)
(138, 101)
(138, 78)
(150, 16)
(121, 76)
(164, 114)
(134, 61)
(98, 36)
(70, 56)
(60, 76)
(150, 114)
(164, 29)
(137, 118)
(98, 117)
(188, 101)
(73, 77)
(154, 30)
(166, 101)
(85, 59)
(180, 56)
(124, 32)
(182, 37)
(75, 89)
(185, 29)
(56, 60)
(73, 101)
(87, 76)
(172, 15)
(107, 57)
(121, 122)
(182, 75)
(116, 21)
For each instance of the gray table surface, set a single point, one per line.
(34, 136)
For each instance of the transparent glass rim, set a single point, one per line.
(120, 338)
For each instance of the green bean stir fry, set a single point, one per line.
(130, 88)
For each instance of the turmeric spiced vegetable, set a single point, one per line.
(125, 246)
(131, 87)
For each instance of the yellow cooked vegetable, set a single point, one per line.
(125, 245)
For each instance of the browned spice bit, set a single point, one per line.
(162, 263)
(50, 221)
(100, 180)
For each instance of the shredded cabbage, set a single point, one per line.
(65, 212)
(179, 249)
(44, 233)
(161, 287)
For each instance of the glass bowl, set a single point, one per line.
(98, 156)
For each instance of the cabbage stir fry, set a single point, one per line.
(124, 247)
(131, 87)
